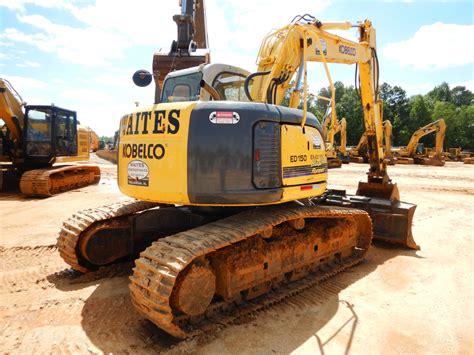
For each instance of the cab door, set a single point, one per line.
(65, 133)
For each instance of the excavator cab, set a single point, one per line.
(50, 132)
(205, 82)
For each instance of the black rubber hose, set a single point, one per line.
(271, 89)
(377, 71)
(250, 77)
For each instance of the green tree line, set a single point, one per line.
(407, 114)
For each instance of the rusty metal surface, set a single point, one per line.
(51, 181)
(334, 163)
(245, 263)
(84, 222)
(106, 242)
(194, 289)
(164, 64)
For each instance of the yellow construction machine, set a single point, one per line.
(458, 154)
(33, 138)
(358, 154)
(387, 141)
(341, 128)
(94, 141)
(231, 187)
(411, 155)
(336, 155)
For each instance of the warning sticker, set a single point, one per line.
(224, 117)
(316, 142)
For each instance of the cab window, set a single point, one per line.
(182, 88)
(38, 133)
(65, 134)
(39, 126)
(230, 86)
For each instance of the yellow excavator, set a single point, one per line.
(336, 155)
(231, 187)
(33, 138)
(387, 141)
(458, 154)
(358, 154)
(410, 153)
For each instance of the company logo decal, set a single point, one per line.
(137, 172)
(343, 49)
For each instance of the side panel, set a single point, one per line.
(304, 162)
(221, 154)
(303, 156)
(153, 153)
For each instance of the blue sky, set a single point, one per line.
(81, 54)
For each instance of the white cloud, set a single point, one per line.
(87, 46)
(415, 89)
(117, 80)
(468, 84)
(22, 83)
(19, 5)
(140, 22)
(30, 89)
(86, 95)
(28, 64)
(435, 46)
(235, 29)
(104, 37)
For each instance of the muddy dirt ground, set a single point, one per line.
(396, 301)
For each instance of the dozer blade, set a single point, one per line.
(434, 161)
(391, 218)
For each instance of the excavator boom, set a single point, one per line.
(286, 51)
(11, 112)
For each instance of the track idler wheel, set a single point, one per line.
(195, 289)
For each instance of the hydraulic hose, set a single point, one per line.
(250, 77)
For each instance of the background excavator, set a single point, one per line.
(387, 141)
(336, 155)
(358, 154)
(231, 187)
(33, 138)
(410, 153)
(94, 141)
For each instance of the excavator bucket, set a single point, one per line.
(392, 219)
(166, 63)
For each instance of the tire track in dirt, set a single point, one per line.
(18, 257)
(105, 320)
(23, 269)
